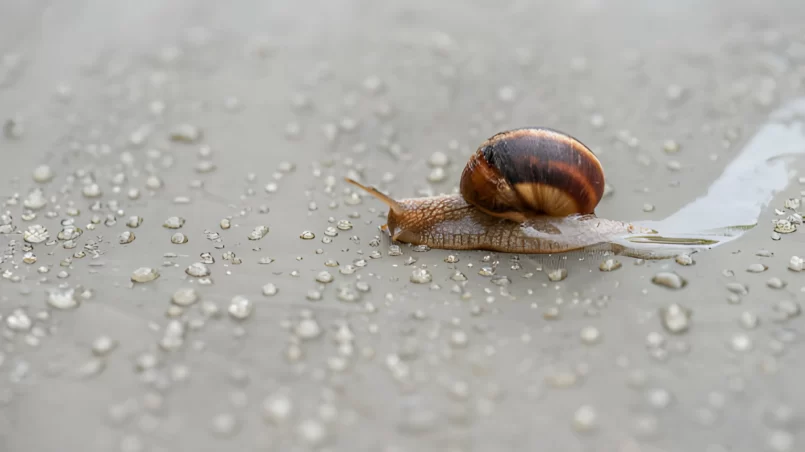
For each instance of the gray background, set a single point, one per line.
(82, 76)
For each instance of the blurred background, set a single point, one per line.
(147, 145)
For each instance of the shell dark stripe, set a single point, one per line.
(562, 162)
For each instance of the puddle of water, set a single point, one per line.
(733, 202)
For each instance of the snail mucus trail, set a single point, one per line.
(528, 191)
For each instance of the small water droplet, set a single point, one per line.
(277, 408)
(749, 320)
(757, 268)
(35, 233)
(174, 223)
(421, 276)
(741, 343)
(240, 308)
(675, 318)
(558, 274)
(585, 419)
(270, 290)
(179, 238)
(144, 274)
(307, 329)
(198, 270)
(103, 345)
(670, 280)
(796, 264)
(62, 298)
(258, 233)
(610, 265)
(185, 133)
(590, 335)
(307, 235)
(126, 237)
(685, 259)
(43, 174)
(185, 297)
(737, 288)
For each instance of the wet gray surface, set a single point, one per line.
(291, 97)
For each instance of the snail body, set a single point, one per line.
(529, 191)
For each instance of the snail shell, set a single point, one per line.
(522, 172)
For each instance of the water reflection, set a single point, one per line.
(734, 202)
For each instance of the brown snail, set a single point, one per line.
(530, 190)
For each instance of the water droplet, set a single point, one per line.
(277, 408)
(585, 419)
(558, 274)
(308, 329)
(395, 250)
(240, 308)
(590, 335)
(610, 265)
(185, 133)
(144, 274)
(134, 221)
(669, 279)
(35, 200)
(43, 174)
(270, 290)
(459, 339)
(741, 343)
(197, 270)
(185, 297)
(35, 233)
(675, 318)
(103, 345)
(796, 264)
(437, 175)
(757, 268)
(174, 223)
(685, 259)
(737, 288)
(62, 298)
(420, 276)
(19, 320)
(486, 271)
(784, 226)
(324, 277)
(179, 238)
(173, 337)
(29, 258)
(749, 320)
(307, 235)
(91, 191)
(258, 233)
(776, 283)
(451, 259)
(126, 237)
(659, 398)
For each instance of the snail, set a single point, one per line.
(530, 190)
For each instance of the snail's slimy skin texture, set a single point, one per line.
(449, 222)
